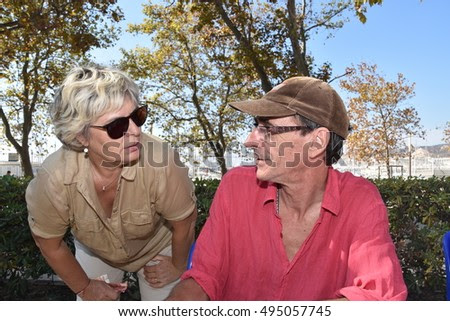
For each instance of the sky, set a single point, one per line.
(411, 37)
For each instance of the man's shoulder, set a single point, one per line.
(247, 171)
(356, 186)
(241, 174)
(239, 178)
(350, 178)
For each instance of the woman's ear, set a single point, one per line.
(82, 139)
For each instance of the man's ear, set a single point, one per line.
(320, 139)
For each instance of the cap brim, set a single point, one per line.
(262, 108)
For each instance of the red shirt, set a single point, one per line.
(349, 253)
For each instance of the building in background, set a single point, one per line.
(424, 162)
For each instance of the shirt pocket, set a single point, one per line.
(138, 224)
(89, 231)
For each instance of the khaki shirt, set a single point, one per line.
(150, 192)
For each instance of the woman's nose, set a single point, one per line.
(133, 129)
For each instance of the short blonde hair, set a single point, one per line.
(86, 94)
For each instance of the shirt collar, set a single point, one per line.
(270, 191)
(129, 172)
(331, 200)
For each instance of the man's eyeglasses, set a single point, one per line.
(118, 127)
(265, 129)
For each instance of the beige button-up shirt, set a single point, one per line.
(149, 193)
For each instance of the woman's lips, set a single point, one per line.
(133, 147)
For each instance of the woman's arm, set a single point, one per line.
(170, 268)
(183, 233)
(62, 261)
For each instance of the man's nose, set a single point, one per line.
(252, 139)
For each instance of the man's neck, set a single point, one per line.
(304, 192)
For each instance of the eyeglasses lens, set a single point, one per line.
(139, 116)
(118, 127)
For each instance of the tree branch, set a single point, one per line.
(8, 132)
(176, 118)
(325, 21)
(340, 76)
(8, 26)
(246, 46)
(300, 63)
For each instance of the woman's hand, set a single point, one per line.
(98, 290)
(162, 273)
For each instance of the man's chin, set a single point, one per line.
(263, 172)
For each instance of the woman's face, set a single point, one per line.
(109, 152)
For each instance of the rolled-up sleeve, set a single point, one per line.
(374, 272)
(48, 214)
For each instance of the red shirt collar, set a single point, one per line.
(331, 200)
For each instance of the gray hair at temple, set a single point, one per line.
(86, 94)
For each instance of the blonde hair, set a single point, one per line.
(86, 94)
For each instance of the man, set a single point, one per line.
(292, 227)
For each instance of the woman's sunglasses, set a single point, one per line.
(118, 127)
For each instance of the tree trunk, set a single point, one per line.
(25, 161)
(223, 166)
(23, 149)
(266, 85)
(388, 167)
(299, 54)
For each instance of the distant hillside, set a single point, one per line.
(440, 150)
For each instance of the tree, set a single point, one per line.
(233, 48)
(378, 116)
(360, 8)
(447, 134)
(272, 36)
(188, 78)
(38, 40)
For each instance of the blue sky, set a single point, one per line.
(411, 37)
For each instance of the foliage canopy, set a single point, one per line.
(380, 120)
(39, 39)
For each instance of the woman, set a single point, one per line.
(124, 195)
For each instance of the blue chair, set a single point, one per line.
(191, 253)
(446, 246)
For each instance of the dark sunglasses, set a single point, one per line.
(118, 127)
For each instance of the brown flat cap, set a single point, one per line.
(309, 97)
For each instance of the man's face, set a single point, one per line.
(278, 151)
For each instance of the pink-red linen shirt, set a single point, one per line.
(349, 253)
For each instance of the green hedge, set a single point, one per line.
(204, 190)
(20, 258)
(418, 213)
